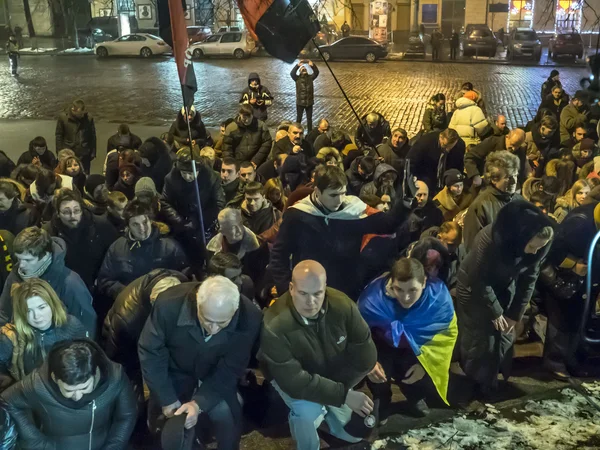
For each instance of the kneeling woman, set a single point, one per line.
(414, 327)
(495, 283)
(40, 320)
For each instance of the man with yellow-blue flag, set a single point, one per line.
(413, 325)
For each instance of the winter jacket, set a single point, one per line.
(425, 157)
(374, 187)
(247, 143)
(248, 244)
(305, 88)
(562, 207)
(101, 420)
(308, 232)
(319, 360)
(419, 220)
(17, 217)
(540, 148)
(77, 134)
(127, 259)
(127, 141)
(156, 152)
(86, 245)
(44, 340)
(181, 195)
(381, 131)
(12, 48)
(570, 118)
(263, 97)
(356, 181)
(548, 86)
(395, 156)
(68, 285)
(434, 119)
(468, 120)
(47, 158)
(261, 220)
(483, 211)
(451, 206)
(124, 322)
(8, 437)
(286, 146)
(175, 354)
(550, 104)
(179, 131)
(6, 165)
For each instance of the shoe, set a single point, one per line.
(560, 375)
(419, 409)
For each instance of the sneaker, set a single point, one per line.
(419, 409)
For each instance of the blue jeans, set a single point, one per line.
(305, 417)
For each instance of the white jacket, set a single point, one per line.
(468, 120)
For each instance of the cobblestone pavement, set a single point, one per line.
(147, 91)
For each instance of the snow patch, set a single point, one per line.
(37, 50)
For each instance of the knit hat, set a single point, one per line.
(580, 95)
(145, 185)
(452, 176)
(587, 144)
(471, 95)
(92, 182)
(553, 73)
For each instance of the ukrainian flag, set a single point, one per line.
(429, 326)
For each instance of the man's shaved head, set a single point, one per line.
(309, 281)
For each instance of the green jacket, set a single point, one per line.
(570, 117)
(317, 362)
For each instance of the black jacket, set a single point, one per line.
(17, 217)
(156, 152)
(47, 159)
(285, 145)
(547, 87)
(77, 134)
(395, 156)
(475, 158)
(419, 220)
(128, 141)
(305, 89)
(180, 132)
(263, 96)
(127, 260)
(181, 195)
(334, 243)
(86, 245)
(382, 130)
(549, 104)
(175, 356)
(425, 155)
(125, 320)
(8, 438)
(102, 420)
(247, 143)
(6, 165)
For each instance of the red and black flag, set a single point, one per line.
(283, 27)
(173, 30)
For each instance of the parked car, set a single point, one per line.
(524, 42)
(136, 44)
(354, 47)
(416, 47)
(479, 41)
(226, 29)
(233, 43)
(198, 34)
(565, 44)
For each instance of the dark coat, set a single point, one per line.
(263, 97)
(181, 195)
(395, 156)
(175, 356)
(68, 285)
(111, 168)
(47, 159)
(260, 221)
(356, 181)
(419, 220)
(156, 152)
(424, 158)
(44, 340)
(127, 260)
(8, 440)
(547, 87)
(247, 143)
(285, 145)
(6, 165)
(128, 141)
(381, 131)
(86, 245)
(334, 243)
(434, 119)
(125, 320)
(180, 133)
(549, 104)
(77, 134)
(305, 88)
(17, 217)
(102, 420)
(127, 189)
(475, 158)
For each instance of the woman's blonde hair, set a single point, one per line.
(272, 185)
(576, 189)
(20, 293)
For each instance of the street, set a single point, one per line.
(146, 92)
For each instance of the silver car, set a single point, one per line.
(238, 44)
(524, 43)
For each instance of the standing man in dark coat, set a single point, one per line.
(305, 90)
(257, 96)
(76, 130)
(247, 138)
(433, 154)
(495, 283)
(193, 349)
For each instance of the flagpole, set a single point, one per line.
(196, 188)
(360, 122)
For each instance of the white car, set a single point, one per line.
(232, 43)
(136, 44)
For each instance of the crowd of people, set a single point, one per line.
(320, 259)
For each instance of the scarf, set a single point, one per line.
(46, 261)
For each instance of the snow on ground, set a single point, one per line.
(568, 422)
(37, 50)
(77, 50)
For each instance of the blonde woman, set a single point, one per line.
(39, 321)
(572, 199)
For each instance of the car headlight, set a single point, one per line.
(518, 45)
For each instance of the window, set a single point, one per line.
(429, 13)
(154, 38)
(352, 41)
(214, 38)
(480, 33)
(525, 36)
(232, 37)
(139, 38)
(127, 38)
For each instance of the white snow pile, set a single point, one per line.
(567, 423)
(77, 50)
(37, 50)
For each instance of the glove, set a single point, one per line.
(409, 187)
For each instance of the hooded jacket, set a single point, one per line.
(247, 142)
(356, 181)
(124, 322)
(86, 245)
(179, 131)
(69, 287)
(305, 88)
(448, 205)
(263, 97)
(77, 134)
(373, 187)
(101, 420)
(556, 107)
(47, 158)
(128, 259)
(468, 120)
(317, 362)
(156, 152)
